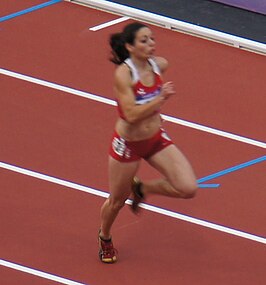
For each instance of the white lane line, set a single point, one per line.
(57, 87)
(53, 180)
(145, 206)
(113, 103)
(108, 24)
(38, 273)
(205, 223)
(214, 131)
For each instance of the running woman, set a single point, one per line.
(140, 94)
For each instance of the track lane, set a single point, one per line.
(57, 134)
(60, 239)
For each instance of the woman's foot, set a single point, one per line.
(138, 195)
(107, 252)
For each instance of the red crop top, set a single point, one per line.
(143, 94)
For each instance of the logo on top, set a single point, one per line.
(141, 91)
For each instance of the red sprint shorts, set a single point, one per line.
(128, 151)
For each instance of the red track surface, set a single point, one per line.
(53, 228)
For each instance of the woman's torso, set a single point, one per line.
(146, 87)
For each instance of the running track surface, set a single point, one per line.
(53, 228)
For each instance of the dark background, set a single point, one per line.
(210, 14)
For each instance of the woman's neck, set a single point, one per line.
(140, 64)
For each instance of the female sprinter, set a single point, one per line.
(138, 134)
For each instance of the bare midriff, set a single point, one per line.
(140, 130)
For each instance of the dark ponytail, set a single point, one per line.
(118, 42)
(119, 51)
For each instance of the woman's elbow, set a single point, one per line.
(131, 118)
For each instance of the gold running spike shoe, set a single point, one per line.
(107, 252)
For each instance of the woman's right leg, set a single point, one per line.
(120, 182)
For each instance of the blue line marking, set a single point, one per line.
(232, 169)
(34, 8)
(208, 185)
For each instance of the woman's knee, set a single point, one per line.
(116, 204)
(189, 193)
(187, 190)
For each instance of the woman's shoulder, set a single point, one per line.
(122, 74)
(161, 62)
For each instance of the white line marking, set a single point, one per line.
(38, 273)
(108, 24)
(145, 206)
(113, 103)
(53, 180)
(57, 87)
(205, 223)
(214, 131)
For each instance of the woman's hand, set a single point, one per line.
(168, 90)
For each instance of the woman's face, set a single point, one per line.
(144, 44)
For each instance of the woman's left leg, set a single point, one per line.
(179, 179)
